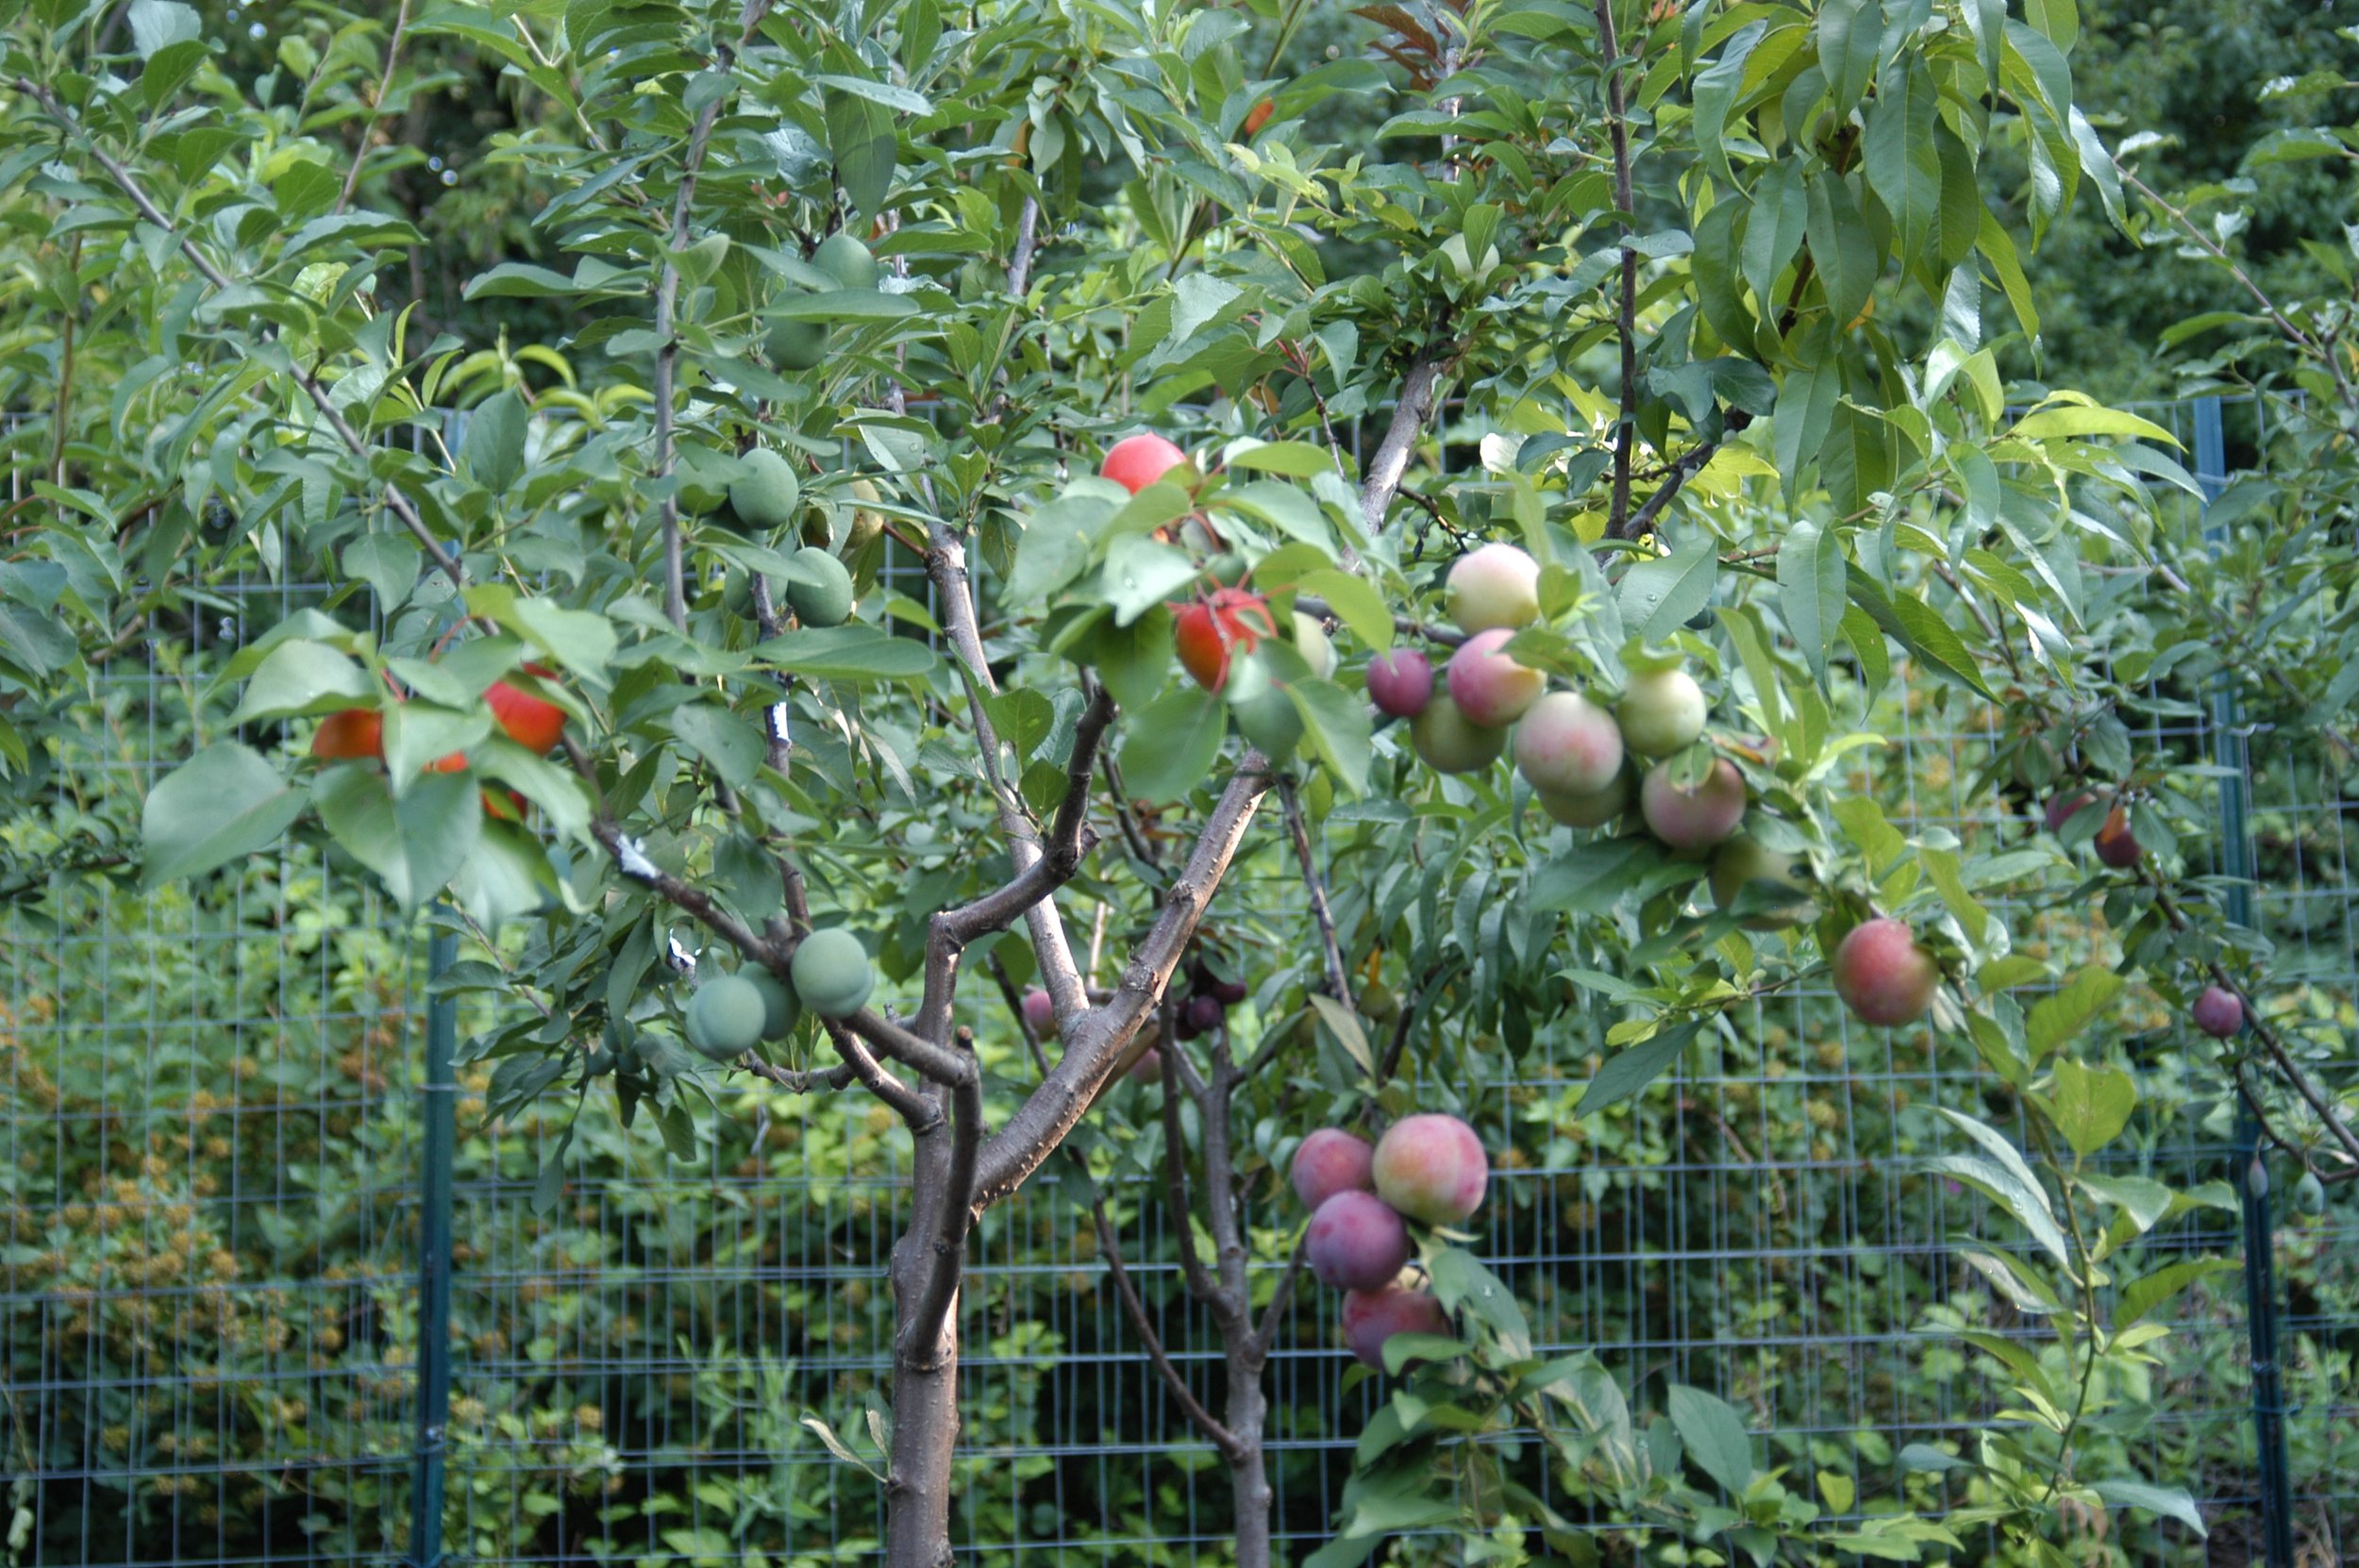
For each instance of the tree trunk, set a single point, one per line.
(924, 1423)
(1248, 1478)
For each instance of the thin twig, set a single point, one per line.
(1617, 129)
(376, 107)
(1338, 981)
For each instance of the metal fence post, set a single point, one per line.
(439, 1092)
(2260, 1272)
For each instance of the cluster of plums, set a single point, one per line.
(1429, 1168)
(729, 1015)
(357, 735)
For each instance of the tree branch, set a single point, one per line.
(1445, 637)
(398, 504)
(1411, 410)
(946, 1262)
(1684, 468)
(1338, 980)
(1617, 128)
(376, 107)
(1200, 1284)
(1136, 1309)
(1027, 240)
(1094, 1044)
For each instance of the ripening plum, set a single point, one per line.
(1040, 1011)
(1400, 682)
(1568, 745)
(1593, 809)
(349, 734)
(1356, 1241)
(1697, 818)
(1451, 743)
(1745, 861)
(1491, 689)
(2064, 807)
(1661, 711)
(1137, 462)
(1493, 586)
(2218, 1013)
(2117, 845)
(1148, 1068)
(1372, 1317)
(1432, 1167)
(531, 722)
(1882, 975)
(1331, 1160)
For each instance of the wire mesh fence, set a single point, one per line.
(209, 1296)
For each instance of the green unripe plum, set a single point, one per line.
(1568, 745)
(832, 974)
(1696, 818)
(797, 344)
(841, 256)
(821, 591)
(1496, 584)
(1745, 861)
(780, 1012)
(737, 593)
(724, 1017)
(867, 521)
(1313, 644)
(1587, 810)
(1661, 712)
(1450, 741)
(2310, 1194)
(766, 493)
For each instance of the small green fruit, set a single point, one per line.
(780, 1012)
(737, 593)
(821, 592)
(2310, 1194)
(797, 344)
(845, 258)
(724, 1017)
(766, 493)
(831, 973)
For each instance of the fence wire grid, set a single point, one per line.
(208, 1292)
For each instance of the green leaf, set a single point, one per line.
(1903, 162)
(415, 845)
(1140, 574)
(1465, 1286)
(848, 653)
(1633, 1068)
(863, 142)
(2008, 1181)
(1714, 1437)
(494, 449)
(388, 562)
(299, 678)
(733, 746)
(1055, 545)
(158, 23)
(844, 305)
(2171, 1502)
(1931, 637)
(2146, 1294)
(2092, 1104)
(219, 806)
(2080, 420)
(1169, 747)
(1355, 602)
(1296, 459)
(1338, 728)
(1659, 596)
(2056, 1018)
(1811, 576)
(1850, 35)
(581, 639)
(1848, 263)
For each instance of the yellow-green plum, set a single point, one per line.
(1432, 1167)
(1316, 648)
(1693, 819)
(1491, 689)
(1568, 745)
(1451, 743)
(1492, 586)
(1593, 809)
(1661, 711)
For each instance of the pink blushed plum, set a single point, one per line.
(1148, 1068)
(1372, 1317)
(1040, 1011)
(1882, 975)
(1489, 687)
(1331, 1160)
(2218, 1013)
(1696, 818)
(1400, 682)
(1356, 1241)
(1568, 745)
(1432, 1167)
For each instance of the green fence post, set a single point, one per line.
(2260, 1271)
(439, 1092)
